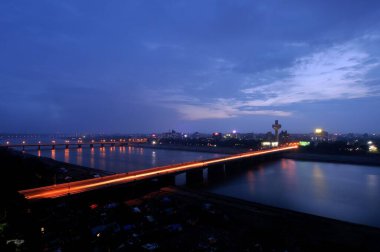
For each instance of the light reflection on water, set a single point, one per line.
(340, 191)
(121, 159)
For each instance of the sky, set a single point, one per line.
(151, 66)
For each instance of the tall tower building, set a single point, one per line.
(276, 126)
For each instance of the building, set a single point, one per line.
(276, 126)
(217, 136)
(320, 135)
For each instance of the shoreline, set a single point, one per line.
(37, 171)
(262, 208)
(333, 158)
(215, 150)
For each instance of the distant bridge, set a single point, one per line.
(194, 170)
(66, 144)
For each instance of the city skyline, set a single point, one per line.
(150, 66)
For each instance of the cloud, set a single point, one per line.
(191, 108)
(153, 46)
(339, 72)
(219, 111)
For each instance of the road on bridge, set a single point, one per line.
(64, 189)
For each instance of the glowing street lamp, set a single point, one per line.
(318, 131)
(23, 142)
(7, 142)
(53, 142)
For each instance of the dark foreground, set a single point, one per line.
(174, 219)
(150, 217)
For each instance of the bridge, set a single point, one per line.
(66, 144)
(194, 170)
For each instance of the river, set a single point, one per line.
(121, 159)
(339, 191)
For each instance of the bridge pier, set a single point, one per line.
(101, 145)
(194, 177)
(53, 147)
(23, 147)
(216, 172)
(67, 146)
(167, 180)
(112, 144)
(232, 168)
(79, 146)
(91, 146)
(39, 147)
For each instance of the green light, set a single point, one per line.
(304, 143)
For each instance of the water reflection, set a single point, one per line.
(92, 157)
(251, 180)
(373, 184)
(153, 158)
(288, 167)
(122, 149)
(340, 191)
(67, 155)
(53, 153)
(79, 156)
(319, 182)
(122, 159)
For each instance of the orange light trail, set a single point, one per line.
(60, 190)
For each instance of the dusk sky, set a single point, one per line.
(150, 66)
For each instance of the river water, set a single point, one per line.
(121, 159)
(339, 191)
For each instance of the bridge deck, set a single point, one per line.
(60, 190)
(58, 144)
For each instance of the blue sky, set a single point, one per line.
(150, 66)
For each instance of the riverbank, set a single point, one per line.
(216, 150)
(372, 160)
(29, 171)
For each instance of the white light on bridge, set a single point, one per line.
(23, 142)
(7, 142)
